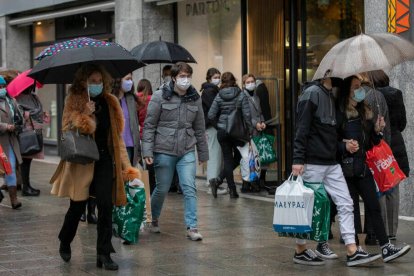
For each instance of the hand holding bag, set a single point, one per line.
(293, 207)
(30, 140)
(78, 148)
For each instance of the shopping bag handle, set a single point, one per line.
(296, 178)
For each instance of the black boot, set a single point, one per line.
(106, 262)
(27, 190)
(1, 196)
(65, 251)
(92, 218)
(233, 192)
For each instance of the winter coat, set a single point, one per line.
(315, 138)
(209, 92)
(255, 110)
(73, 180)
(226, 101)
(142, 113)
(398, 122)
(175, 124)
(351, 126)
(9, 139)
(263, 94)
(33, 116)
(378, 105)
(134, 125)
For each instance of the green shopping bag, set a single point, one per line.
(320, 217)
(264, 143)
(126, 220)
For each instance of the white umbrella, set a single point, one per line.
(364, 53)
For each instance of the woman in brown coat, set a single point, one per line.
(102, 117)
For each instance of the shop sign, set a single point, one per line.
(198, 8)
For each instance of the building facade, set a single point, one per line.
(281, 42)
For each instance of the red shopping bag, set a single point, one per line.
(384, 167)
(4, 162)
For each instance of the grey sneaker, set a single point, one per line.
(194, 235)
(154, 227)
(390, 252)
(307, 257)
(323, 251)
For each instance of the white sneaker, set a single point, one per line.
(220, 191)
(194, 235)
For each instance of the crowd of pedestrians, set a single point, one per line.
(175, 127)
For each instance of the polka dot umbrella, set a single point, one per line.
(59, 62)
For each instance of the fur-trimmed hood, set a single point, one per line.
(351, 112)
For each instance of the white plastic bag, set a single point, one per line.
(293, 207)
(250, 162)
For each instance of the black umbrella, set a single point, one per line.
(59, 62)
(161, 52)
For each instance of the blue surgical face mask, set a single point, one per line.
(3, 92)
(95, 89)
(359, 95)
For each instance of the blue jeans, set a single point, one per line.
(165, 166)
(11, 178)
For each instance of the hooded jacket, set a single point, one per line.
(175, 124)
(315, 138)
(227, 100)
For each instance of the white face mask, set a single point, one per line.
(215, 81)
(127, 85)
(183, 83)
(251, 86)
(167, 79)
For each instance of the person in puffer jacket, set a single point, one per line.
(174, 126)
(229, 98)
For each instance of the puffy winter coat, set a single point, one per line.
(225, 102)
(175, 124)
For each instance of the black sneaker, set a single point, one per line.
(214, 184)
(390, 252)
(361, 257)
(307, 257)
(323, 251)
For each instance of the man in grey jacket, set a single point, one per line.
(173, 127)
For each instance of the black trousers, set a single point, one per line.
(101, 188)
(25, 171)
(231, 156)
(365, 187)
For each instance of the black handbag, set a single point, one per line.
(347, 165)
(78, 148)
(236, 126)
(30, 141)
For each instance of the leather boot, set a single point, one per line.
(92, 218)
(1, 196)
(13, 198)
(83, 217)
(233, 192)
(28, 191)
(106, 262)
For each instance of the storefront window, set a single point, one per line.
(211, 32)
(43, 36)
(329, 22)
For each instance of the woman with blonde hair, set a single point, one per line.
(91, 109)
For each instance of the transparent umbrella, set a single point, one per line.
(364, 53)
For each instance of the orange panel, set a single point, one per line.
(401, 10)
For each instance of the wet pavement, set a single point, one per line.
(238, 240)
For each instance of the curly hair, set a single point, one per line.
(79, 84)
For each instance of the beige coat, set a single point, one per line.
(73, 180)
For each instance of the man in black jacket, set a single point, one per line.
(314, 157)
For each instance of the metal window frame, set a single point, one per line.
(28, 20)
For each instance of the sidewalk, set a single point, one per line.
(238, 240)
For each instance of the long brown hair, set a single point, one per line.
(79, 84)
(228, 80)
(145, 87)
